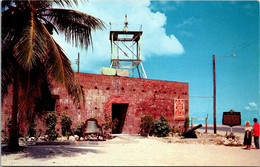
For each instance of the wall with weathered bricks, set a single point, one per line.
(143, 96)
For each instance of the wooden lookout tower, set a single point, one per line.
(126, 51)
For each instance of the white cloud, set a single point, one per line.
(188, 22)
(163, 5)
(251, 106)
(154, 42)
(247, 108)
(186, 33)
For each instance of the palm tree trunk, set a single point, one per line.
(13, 143)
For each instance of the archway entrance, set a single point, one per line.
(119, 113)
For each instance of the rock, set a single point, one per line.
(72, 138)
(59, 139)
(21, 139)
(31, 139)
(64, 138)
(30, 143)
(76, 137)
(226, 143)
(81, 139)
(40, 139)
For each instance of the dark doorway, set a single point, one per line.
(119, 113)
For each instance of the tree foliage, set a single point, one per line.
(186, 123)
(66, 123)
(31, 129)
(147, 125)
(80, 129)
(109, 125)
(32, 59)
(161, 127)
(51, 121)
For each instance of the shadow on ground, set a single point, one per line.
(44, 150)
(49, 151)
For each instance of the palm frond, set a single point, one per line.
(66, 2)
(13, 24)
(7, 72)
(32, 45)
(76, 26)
(60, 70)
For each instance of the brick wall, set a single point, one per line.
(139, 97)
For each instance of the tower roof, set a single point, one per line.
(128, 35)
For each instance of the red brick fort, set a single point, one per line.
(125, 98)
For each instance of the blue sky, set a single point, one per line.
(178, 42)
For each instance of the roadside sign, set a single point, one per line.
(231, 118)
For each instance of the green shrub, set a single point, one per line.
(187, 123)
(66, 123)
(161, 127)
(51, 121)
(108, 126)
(31, 129)
(80, 129)
(147, 125)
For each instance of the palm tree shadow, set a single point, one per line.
(50, 151)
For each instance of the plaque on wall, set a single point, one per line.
(179, 109)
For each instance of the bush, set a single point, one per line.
(66, 123)
(147, 125)
(161, 127)
(187, 123)
(51, 121)
(80, 129)
(177, 130)
(108, 126)
(31, 129)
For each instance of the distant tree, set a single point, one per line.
(31, 59)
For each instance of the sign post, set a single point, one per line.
(231, 118)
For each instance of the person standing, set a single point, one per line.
(248, 136)
(256, 133)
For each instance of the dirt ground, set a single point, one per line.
(133, 150)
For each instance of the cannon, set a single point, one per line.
(190, 133)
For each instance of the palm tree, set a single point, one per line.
(31, 59)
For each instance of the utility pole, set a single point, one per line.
(214, 94)
(214, 89)
(77, 61)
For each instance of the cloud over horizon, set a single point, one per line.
(252, 106)
(154, 42)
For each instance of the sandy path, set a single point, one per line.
(132, 150)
